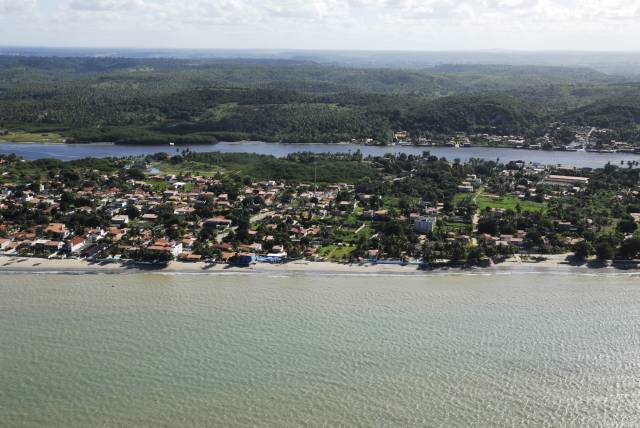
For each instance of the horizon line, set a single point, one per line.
(346, 50)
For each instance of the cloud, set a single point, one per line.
(16, 6)
(103, 5)
(326, 23)
(363, 11)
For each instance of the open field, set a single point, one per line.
(508, 202)
(31, 137)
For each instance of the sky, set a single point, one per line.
(426, 25)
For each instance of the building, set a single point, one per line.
(120, 219)
(4, 243)
(565, 180)
(466, 187)
(401, 135)
(56, 230)
(218, 222)
(76, 244)
(280, 257)
(425, 224)
(162, 246)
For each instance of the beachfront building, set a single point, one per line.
(166, 247)
(76, 244)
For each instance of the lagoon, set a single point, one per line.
(77, 151)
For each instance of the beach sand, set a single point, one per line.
(552, 263)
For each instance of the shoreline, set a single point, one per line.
(555, 264)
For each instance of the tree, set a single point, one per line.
(630, 248)
(132, 211)
(488, 225)
(458, 251)
(627, 226)
(583, 250)
(533, 238)
(136, 173)
(474, 256)
(604, 251)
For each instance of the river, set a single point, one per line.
(78, 151)
(151, 350)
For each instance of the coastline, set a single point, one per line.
(556, 264)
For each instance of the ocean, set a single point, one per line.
(153, 350)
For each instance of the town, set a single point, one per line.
(243, 209)
(556, 136)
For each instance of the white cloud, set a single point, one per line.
(102, 5)
(329, 11)
(16, 6)
(326, 23)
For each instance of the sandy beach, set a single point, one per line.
(552, 263)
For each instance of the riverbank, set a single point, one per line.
(550, 263)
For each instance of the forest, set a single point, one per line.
(201, 101)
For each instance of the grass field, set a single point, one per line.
(334, 252)
(31, 137)
(159, 186)
(447, 226)
(507, 202)
(195, 168)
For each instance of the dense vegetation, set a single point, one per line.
(201, 101)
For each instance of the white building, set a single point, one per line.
(425, 224)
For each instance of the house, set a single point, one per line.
(400, 135)
(465, 187)
(251, 247)
(120, 219)
(373, 254)
(94, 235)
(187, 242)
(474, 180)
(218, 222)
(76, 244)
(189, 257)
(56, 230)
(184, 211)
(380, 215)
(46, 245)
(149, 217)
(53, 245)
(4, 243)
(565, 226)
(162, 246)
(425, 224)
